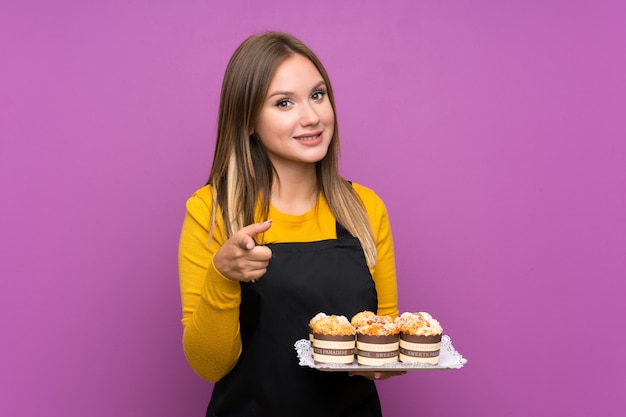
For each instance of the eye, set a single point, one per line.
(318, 94)
(283, 103)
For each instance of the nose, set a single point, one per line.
(309, 115)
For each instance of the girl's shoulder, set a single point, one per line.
(204, 194)
(201, 201)
(367, 195)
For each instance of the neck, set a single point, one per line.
(295, 193)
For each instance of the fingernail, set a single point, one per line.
(267, 221)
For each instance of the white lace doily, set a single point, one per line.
(449, 358)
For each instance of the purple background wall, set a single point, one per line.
(495, 132)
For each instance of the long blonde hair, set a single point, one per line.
(242, 174)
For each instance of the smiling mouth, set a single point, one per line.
(307, 138)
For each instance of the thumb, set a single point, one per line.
(251, 231)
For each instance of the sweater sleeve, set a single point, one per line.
(210, 301)
(384, 272)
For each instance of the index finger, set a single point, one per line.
(250, 232)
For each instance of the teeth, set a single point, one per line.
(307, 137)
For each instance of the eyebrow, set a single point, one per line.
(290, 93)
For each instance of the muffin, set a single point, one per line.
(420, 338)
(376, 339)
(311, 323)
(333, 339)
(360, 318)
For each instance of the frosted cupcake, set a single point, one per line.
(333, 339)
(420, 338)
(376, 339)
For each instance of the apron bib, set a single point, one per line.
(302, 279)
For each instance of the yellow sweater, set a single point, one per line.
(210, 301)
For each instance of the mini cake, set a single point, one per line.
(311, 323)
(360, 318)
(376, 339)
(420, 338)
(333, 339)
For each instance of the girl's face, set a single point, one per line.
(296, 122)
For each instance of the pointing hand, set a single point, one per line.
(240, 258)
